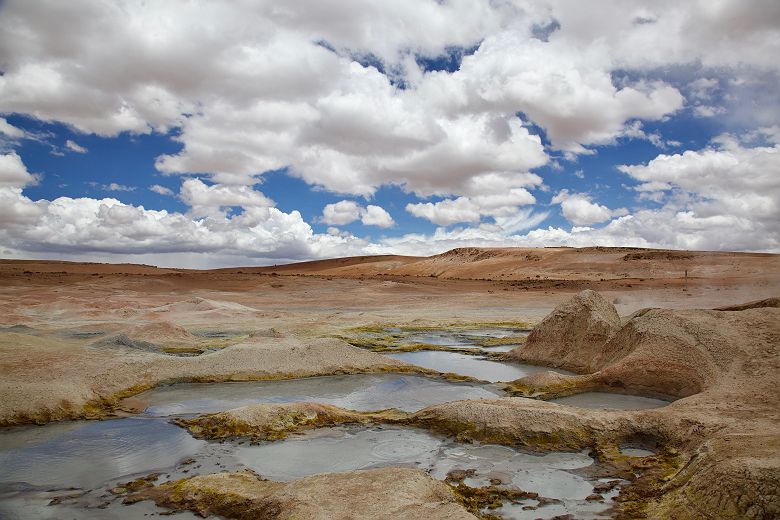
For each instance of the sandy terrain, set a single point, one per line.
(75, 338)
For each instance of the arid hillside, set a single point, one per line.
(559, 263)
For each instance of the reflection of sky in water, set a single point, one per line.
(93, 452)
(357, 392)
(467, 365)
(347, 449)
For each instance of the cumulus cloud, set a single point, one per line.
(335, 93)
(724, 184)
(491, 195)
(446, 212)
(74, 147)
(161, 190)
(348, 211)
(88, 228)
(377, 216)
(214, 200)
(340, 213)
(578, 209)
(274, 88)
(9, 130)
(13, 172)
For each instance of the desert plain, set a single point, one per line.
(698, 331)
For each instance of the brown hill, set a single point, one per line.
(502, 264)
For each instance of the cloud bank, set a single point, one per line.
(354, 97)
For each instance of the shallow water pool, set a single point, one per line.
(467, 365)
(361, 392)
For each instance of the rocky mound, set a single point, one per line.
(122, 341)
(767, 302)
(724, 365)
(273, 421)
(162, 332)
(572, 336)
(389, 493)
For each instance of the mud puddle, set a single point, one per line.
(551, 475)
(362, 392)
(467, 365)
(455, 338)
(66, 470)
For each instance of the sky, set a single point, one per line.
(208, 134)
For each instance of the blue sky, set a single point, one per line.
(207, 135)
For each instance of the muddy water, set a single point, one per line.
(456, 337)
(552, 475)
(76, 463)
(355, 392)
(468, 365)
(611, 401)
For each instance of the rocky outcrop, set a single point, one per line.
(388, 493)
(572, 336)
(724, 366)
(275, 421)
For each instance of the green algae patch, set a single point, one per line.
(380, 338)
(654, 479)
(136, 485)
(478, 499)
(243, 496)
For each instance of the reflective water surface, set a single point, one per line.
(467, 365)
(356, 392)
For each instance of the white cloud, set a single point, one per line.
(87, 228)
(377, 216)
(205, 200)
(341, 213)
(10, 130)
(13, 172)
(348, 211)
(74, 147)
(707, 111)
(703, 88)
(581, 211)
(117, 187)
(492, 195)
(264, 88)
(722, 183)
(446, 212)
(161, 190)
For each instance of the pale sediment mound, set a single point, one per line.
(274, 421)
(665, 352)
(572, 336)
(724, 364)
(520, 422)
(89, 381)
(767, 302)
(389, 493)
(161, 332)
(123, 341)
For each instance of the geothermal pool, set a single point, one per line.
(82, 460)
(468, 365)
(66, 470)
(361, 392)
